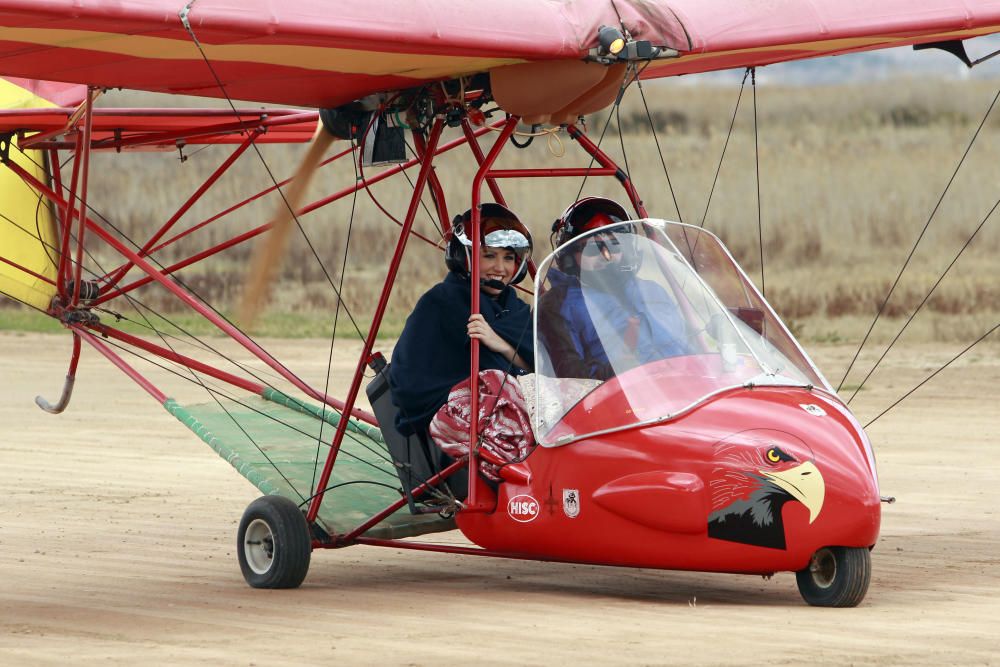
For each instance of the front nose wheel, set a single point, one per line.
(836, 577)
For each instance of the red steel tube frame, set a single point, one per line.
(31, 273)
(120, 272)
(552, 173)
(249, 121)
(472, 502)
(240, 126)
(347, 538)
(437, 192)
(66, 219)
(477, 152)
(173, 239)
(184, 360)
(263, 228)
(463, 551)
(196, 305)
(383, 301)
(84, 176)
(120, 363)
(602, 158)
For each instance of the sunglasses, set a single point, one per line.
(605, 247)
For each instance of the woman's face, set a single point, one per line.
(496, 264)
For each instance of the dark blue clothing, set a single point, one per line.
(432, 354)
(572, 326)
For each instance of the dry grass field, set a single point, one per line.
(848, 177)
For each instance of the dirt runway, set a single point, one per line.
(117, 544)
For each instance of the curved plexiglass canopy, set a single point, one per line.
(640, 321)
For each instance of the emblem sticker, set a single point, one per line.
(571, 503)
(523, 508)
(813, 409)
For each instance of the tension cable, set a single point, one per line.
(618, 100)
(919, 237)
(725, 145)
(756, 157)
(659, 151)
(924, 300)
(928, 378)
(333, 334)
(183, 14)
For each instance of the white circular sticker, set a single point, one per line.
(523, 508)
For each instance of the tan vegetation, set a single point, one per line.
(848, 177)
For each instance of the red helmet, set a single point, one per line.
(586, 214)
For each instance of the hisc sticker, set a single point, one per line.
(523, 508)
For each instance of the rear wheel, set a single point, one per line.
(273, 543)
(836, 577)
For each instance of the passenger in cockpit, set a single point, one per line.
(432, 355)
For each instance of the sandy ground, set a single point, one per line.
(118, 528)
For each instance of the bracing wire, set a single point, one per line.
(659, 151)
(267, 168)
(920, 236)
(618, 100)
(756, 157)
(211, 388)
(924, 300)
(931, 376)
(722, 157)
(621, 140)
(333, 334)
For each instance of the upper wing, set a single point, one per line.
(305, 52)
(746, 33)
(320, 53)
(27, 227)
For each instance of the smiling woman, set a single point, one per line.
(432, 355)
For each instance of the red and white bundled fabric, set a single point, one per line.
(504, 426)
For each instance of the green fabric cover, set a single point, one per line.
(272, 441)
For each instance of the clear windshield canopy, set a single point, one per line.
(639, 321)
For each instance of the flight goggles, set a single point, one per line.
(500, 238)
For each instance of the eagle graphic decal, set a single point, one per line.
(758, 472)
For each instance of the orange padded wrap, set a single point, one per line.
(536, 91)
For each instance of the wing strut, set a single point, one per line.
(956, 47)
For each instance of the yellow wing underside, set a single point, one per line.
(28, 235)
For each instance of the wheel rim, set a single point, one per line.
(823, 568)
(258, 546)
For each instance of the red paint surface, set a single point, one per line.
(709, 35)
(645, 496)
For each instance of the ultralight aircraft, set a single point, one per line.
(735, 456)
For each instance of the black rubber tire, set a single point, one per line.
(836, 577)
(273, 543)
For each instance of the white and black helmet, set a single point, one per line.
(499, 227)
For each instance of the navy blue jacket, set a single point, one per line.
(432, 354)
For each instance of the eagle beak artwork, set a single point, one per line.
(750, 496)
(804, 483)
